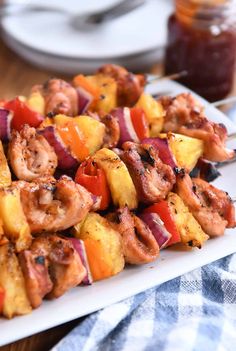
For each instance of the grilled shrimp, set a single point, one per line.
(152, 178)
(51, 267)
(60, 97)
(138, 243)
(129, 86)
(30, 155)
(184, 115)
(211, 207)
(51, 205)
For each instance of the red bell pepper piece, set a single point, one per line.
(94, 180)
(163, 211)
(140, 123)
(2, 296)
(23, 114)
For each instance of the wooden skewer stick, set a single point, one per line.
(151, 78)
(228, 100)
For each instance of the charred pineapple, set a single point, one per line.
(120, 183)
(190, 230)
(11, 279)
(103, 246)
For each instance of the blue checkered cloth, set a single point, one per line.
(196, 312)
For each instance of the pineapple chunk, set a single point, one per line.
(154, 112)
(11, 279)
(186, 150)
(120, 183)
(93, 132)
(108, 92)
(190, 230)
(36, 102)
(103, 247)
(15, 225)
(5, 174)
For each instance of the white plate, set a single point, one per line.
(142, 62)
(142, 30)
(81, 301)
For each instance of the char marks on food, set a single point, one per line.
(152, 178)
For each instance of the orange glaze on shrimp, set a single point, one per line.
(30, 154)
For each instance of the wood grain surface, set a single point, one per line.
(16, 78)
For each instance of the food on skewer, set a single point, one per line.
(30, 155)
(15, 301)
(53, 205)
(51, 267)
(152, 178)
(212, 207)
(184, 115)
(129, 86)
(138, 243)
(59, 97)
(129, 194)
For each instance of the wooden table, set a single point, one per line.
(16, 78)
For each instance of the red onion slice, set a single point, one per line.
(157, 228)
(65, 159)
(162, 146)
(84, 100)
(127, 132)
(5, 124)
(80, 248)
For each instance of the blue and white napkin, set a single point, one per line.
(194, 312)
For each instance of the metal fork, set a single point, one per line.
(77, 20)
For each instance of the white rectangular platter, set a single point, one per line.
(84, 300)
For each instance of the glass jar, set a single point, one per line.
(202, 41)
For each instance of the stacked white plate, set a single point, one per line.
(48, 39)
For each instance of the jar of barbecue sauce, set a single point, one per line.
(202, 41)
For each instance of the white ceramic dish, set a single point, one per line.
(142, 30)
(141, 62)
(84, 300)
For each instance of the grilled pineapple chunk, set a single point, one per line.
(15, 225)
(186, 150)
(108, 92)
(36, 102)
(103, 247)
(5, 174)
(154, 112)
(190, 230)
(93, 132)
(121, 185)
(12, 280)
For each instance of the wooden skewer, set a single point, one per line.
(228, 100)
(173, 76)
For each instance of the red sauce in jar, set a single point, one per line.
(206, 52)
